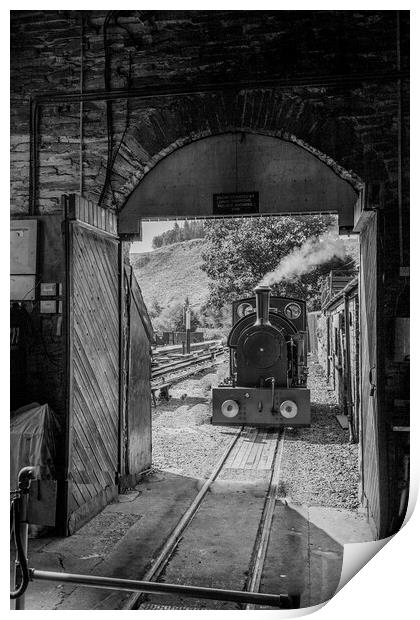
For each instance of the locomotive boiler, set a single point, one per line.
(268, 364)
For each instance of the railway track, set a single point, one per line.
(171, 372)
(178, 540)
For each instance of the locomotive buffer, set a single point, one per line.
(268, 367)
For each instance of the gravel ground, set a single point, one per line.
(184, 442)
(319, 465)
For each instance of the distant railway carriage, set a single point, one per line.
(268, 364)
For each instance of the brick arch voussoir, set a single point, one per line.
(160, 132)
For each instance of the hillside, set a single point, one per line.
(172, 273)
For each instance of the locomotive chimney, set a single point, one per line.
(262, 295)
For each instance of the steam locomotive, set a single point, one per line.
(268, 364)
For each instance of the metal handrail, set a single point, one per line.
(19, 524)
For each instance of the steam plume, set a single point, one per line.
(313, 252)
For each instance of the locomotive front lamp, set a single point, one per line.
(288, 409)
(230, 408)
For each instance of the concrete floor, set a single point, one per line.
(304, 554)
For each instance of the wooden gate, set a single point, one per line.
(370, 425)
(138, 439)
(93, 364)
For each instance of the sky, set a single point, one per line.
(150, 230)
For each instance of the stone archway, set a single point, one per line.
(285, 176)
(305, 117)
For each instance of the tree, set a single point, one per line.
(172, 318)
(155, 309)
(190, 230)
(213, 317)
(239, 253)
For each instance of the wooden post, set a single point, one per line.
(122, 361)
(188, 328)
(65, 492)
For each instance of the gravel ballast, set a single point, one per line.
(184, 441)
(319, 466)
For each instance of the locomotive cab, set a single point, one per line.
(267, 383)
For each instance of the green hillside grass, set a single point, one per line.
(172, 273)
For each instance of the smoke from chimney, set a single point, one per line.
(313, 252)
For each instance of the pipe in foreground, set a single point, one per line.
(130, 585)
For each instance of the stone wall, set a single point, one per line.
(317, 57)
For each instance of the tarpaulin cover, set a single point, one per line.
(33, 432)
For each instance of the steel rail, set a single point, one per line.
(167, 358)
(176, 358)
(172, 366)
(176, 377)
(171, 543)
(173, 379)
(173, 348)
(153, 587)
(166, 366)
(261, 543)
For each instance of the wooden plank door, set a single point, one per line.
(371, 473)
(139, 406)
(93, 373)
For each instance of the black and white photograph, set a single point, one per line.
(209, 305)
